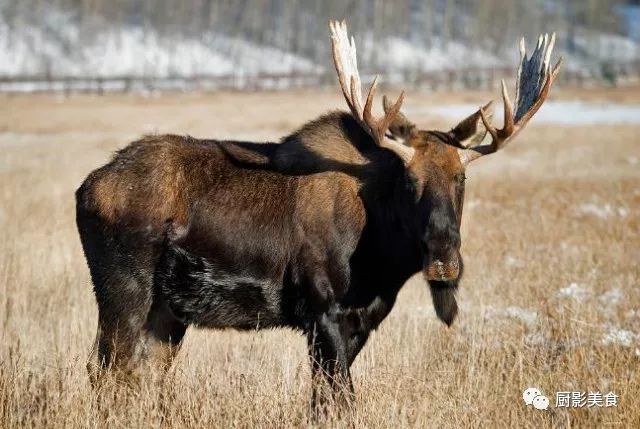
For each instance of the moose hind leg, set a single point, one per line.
(123, 307)
(164, 334)
(144, 339)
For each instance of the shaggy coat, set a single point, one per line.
(318, 233)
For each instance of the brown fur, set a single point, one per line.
(317, 232)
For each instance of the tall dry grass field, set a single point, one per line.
(550, 297)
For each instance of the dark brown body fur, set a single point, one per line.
(317, 233)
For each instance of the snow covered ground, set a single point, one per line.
(553, 112)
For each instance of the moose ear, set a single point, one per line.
(471, 131)
(401, 129)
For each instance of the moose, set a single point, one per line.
(317, 232)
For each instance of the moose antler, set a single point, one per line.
(344, 58)
(534, 80)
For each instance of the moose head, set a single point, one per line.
(436, 160)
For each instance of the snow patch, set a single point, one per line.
(610, 301)
(570, 247)
(612, 297)
(620, 337)
(570, 113)
(607, 47)
(528, 317)
(536, 339)
(602, 211)
(510, 261)
(573, 291)
(405, 55)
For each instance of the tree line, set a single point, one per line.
(300, 26)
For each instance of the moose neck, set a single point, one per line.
(395, 223)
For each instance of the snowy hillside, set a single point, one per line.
(61, 43)
(57, 49)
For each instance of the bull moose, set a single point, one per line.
(317, 233)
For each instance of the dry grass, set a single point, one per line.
(524, 238)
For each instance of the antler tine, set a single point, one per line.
(368, 105)
(507, 129)
(391, 114)
(533, 82)
(343, 53)
(345, 60)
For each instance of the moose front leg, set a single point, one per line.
(336, 340)
(328, 350)
(357, 323)
(325, 282)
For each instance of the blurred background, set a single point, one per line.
(124, 45)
